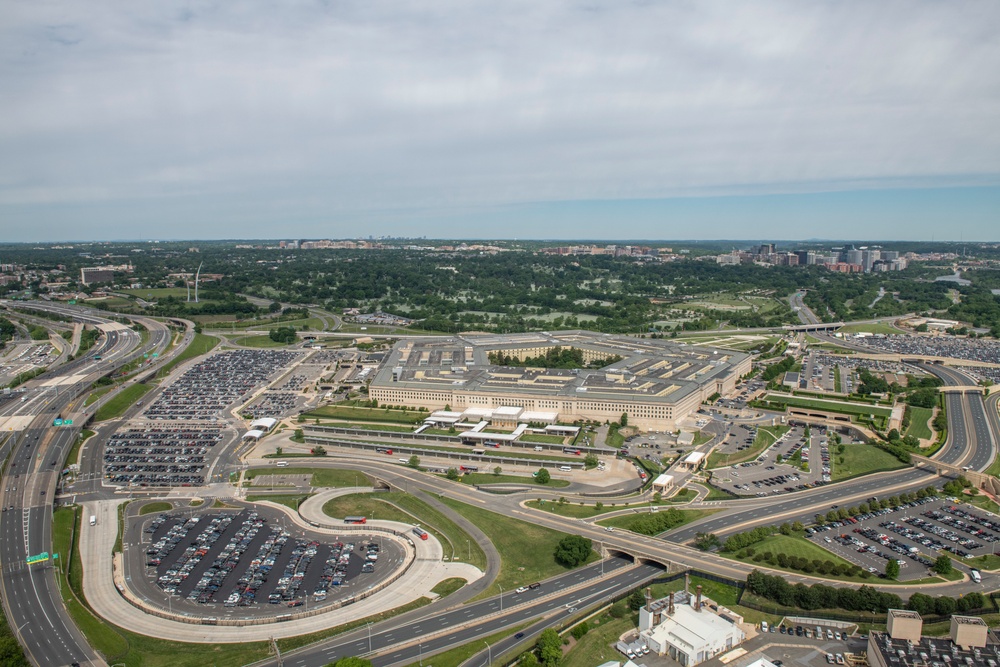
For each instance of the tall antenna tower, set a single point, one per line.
(196, 277)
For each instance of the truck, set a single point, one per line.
(93, 520)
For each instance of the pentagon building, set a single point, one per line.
(657, 382)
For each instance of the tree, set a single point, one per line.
(542, 476)
(497, 471)
(706, 541)
(590, 461)
(318, 450)
(549, 647)
(892, 569)
(452, 474)
(279, 450)
(351, 662)
(275, 307)
(414, 461)
(636, 600)
(573, 550)
(942, 565)
(624, 420)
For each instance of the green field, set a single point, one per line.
(202, 344)
(155, 508)
(117, 405)
(262, 341)
(830, 406)
(629, 521)
(543, 439)
(919, 426)
(351, 413)
(405, 508)
(388, 428)
(477, 478)
(157, 292)
(325, 477)
(74, 453)
(861, 460)
(96, 394)
(873, 328)
(766, 435)
(291, 501)
(525, 549)
(448, 586)
(795, 546)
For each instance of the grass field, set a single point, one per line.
(388, 428)
(155, 508)
(96, 394)
(490, 478)
(873, 328)
(291, 501)
(351, 413)
(202, 344)
(456, 656)
(543, 439)
(830, 406)
(861, 460)
(526, 550)
(325, 477)
(448, 586)
(796, 546)
(627, 521)
(572, 511)
(74, 453)
(257, 341)
(766, 435)
(117, 405)
(919, 426)
(405, 508)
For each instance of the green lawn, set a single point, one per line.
(388, 428)
(290, 501)
(766, 435)
(842, 407)
(448, 586)
(573, 511)
(121, 402)
(326, 477)
(202, 344)
(74, 453)
(352, 413)
(597, 646)
(632, 521)
(873, 328)
(153, 293)
(861, 460)
(155, 508)
(614, 439)
(919, 427)
(543, 439)
(96, 394)
(456, 656)
(490, 478)
(257, 341)
(525, 549)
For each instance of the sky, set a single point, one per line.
(469, 119)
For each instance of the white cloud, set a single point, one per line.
(369, 106)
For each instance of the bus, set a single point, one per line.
(492, 443)
(355, 519)
(478, 452)
(469, 468)
(571, 450)
(383, 450)
(420, 532)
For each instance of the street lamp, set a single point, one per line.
(501, 597)
(369, 624)
(489, 653)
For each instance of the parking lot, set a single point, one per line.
(936, 346)
(160, 456)
(205, 390)
(765, 475)
(241, 559)
(915, 534)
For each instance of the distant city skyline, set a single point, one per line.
(712, 120)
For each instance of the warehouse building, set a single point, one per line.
(657, 383)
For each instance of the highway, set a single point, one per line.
(31, 593)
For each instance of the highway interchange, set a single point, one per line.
(33, 602)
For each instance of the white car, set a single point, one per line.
(522, 589)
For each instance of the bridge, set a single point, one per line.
(815, 326)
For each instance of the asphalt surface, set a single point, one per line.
(467, 623)
(30, 592)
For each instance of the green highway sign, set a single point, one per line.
(156, 354)
(37, 558)
(145, 356)
(72, 302)
(57, 422)
(67, 422)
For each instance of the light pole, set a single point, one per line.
(369, 624)
(601, 554)
(468, 543)
(420, 649)
(489, 653)
(501, 597)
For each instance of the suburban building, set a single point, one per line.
(657, 383)
(98, 274)
(689, 629)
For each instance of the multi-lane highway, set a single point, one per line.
(30, 592)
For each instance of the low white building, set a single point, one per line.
(663, 484)
(689, 629)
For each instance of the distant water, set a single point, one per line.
(953, 278)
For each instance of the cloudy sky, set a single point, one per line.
(457, 118)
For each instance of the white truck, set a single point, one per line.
(93, 520)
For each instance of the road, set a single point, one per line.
(31, 593)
